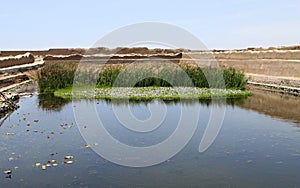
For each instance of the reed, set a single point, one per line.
(218, 78)
(55, 76)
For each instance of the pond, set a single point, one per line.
(257, 146)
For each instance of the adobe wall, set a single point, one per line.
(16, 60)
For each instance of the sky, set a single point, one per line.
(219, 24)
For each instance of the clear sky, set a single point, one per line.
(36, 24)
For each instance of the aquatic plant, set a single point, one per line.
(55, 76)
(147, 93)
(218, 78)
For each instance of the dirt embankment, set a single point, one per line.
(282, 62)
(114, 59)
(16, 60)
(93, 51)
(44, 52)
(280, 67)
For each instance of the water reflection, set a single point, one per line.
(276, 105)
(51, 102)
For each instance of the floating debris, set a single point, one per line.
(68, 157)
(8, 171)
(9, 134)
(37, 164)
(10, 158)
(36, 120)
(53, 162)
(65, 125)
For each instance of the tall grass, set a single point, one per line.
(55, 76)
(188, 76)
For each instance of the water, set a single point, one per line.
(257, 146)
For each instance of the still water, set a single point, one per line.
(257, 146)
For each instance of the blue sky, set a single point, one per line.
(35, 24)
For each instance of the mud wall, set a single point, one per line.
(278, 63)
(92, 51)
(281, 63)
(16, 60)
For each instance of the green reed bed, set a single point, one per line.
(60, 76)
(164, 77)
(53, 76)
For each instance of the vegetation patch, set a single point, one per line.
(147, 93)
(54, 76)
